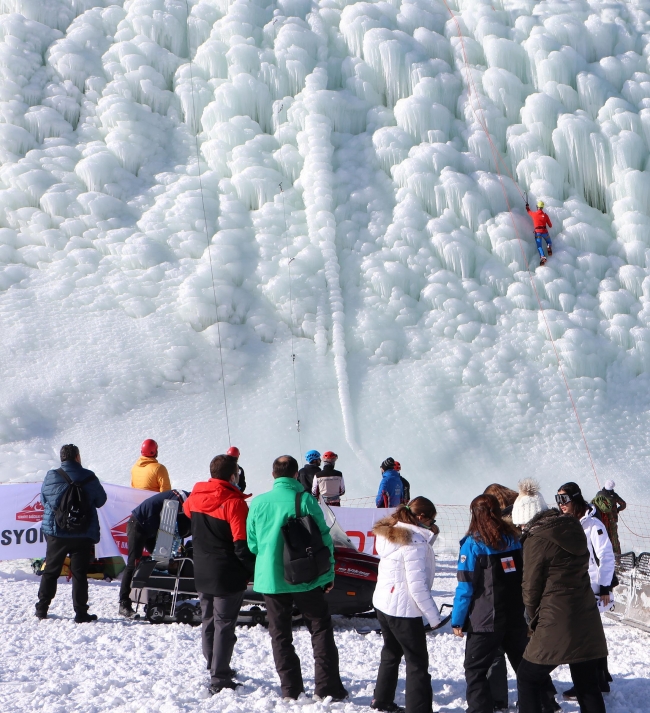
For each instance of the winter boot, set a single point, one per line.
(542, 261)
(85, 618)
(126, 610)
(388, 707)
(218, 687)
(570, 694)
(336, 696)
(549, 249)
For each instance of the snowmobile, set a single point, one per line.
(164, 583)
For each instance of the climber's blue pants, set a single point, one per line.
(538, 240)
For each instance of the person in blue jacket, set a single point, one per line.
(488, 604)
(80, 545)
(390, 493)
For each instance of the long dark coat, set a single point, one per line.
(564, 617)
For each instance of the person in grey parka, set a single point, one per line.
(79, 545)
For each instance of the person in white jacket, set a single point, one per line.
(602, 561)
(402, 598)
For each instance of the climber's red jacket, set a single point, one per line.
(540, 220)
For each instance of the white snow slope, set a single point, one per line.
(56, 666)
(389, 263)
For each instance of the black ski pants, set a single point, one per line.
(137, 541)
(533, 677)
(497, 677)
(218, 622)
(404, 636)
(315, 612)
(480, 651)
(81, 551)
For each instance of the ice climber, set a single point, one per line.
(540, 221)
(307, 472)
(391, 491)
(328, 485)
(147, 473)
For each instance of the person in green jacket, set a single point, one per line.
(268, 513)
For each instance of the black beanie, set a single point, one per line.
(388, 464)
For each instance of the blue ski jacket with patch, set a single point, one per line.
(488, 594)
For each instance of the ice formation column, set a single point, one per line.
(318, 182)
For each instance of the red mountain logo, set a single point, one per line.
(119, 535)
(32, 512)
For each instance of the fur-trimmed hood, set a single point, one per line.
(401, 533)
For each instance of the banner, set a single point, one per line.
(358, 524)
(21, 514)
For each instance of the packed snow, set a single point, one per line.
(306, 208)
(132, 666)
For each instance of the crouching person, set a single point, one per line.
(142, 531)
(223, 564)
(402, 597)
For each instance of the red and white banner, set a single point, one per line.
(21, 514)
(358, 524)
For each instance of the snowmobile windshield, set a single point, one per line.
(337, 533)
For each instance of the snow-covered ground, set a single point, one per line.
(56, 666)
(416, 331)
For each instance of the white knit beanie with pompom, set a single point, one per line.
(529, 502)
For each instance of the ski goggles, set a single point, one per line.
(563, 498)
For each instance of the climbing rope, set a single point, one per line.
(498, 160)
(205, 221)
(293, 351)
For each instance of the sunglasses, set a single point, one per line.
(563, 498)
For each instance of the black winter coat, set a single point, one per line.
(564, 617)
(148, 514)
(306, 476)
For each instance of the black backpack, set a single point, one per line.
(305, 556)
(72, 514)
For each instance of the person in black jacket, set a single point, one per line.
(223, 564)
(142, 530)
(312, 468)
(241, 482)
(79, 545)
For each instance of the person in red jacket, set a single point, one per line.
(540, 221)
(223, 564)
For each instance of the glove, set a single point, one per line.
(527, 206)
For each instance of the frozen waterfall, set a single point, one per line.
(346, 152)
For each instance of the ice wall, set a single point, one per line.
(167, 165)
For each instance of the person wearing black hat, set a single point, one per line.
(391, 491)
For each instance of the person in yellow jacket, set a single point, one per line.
(148, 473)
